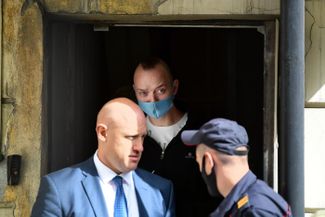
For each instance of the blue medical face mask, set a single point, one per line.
(157, 109)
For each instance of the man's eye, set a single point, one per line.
(131, 138)
(142, 93)
(161, 90)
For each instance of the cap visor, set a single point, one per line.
(190, 137)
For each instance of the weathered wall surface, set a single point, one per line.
(165, 7)
(102, 7)
(315, 51)
(220, 7)
(21, 85)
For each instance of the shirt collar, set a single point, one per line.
(106, 174)
(235, 194)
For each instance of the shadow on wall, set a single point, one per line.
(314, 53)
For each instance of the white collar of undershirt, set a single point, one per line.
(164, 134)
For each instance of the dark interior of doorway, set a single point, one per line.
(220, 72)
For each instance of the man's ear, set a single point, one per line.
(175, 86)
(101, 131)
(209, 163)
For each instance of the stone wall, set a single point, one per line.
(315, 52)
(220, 7)
(163, 7)
(22, 62)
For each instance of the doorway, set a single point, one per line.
(221, 73)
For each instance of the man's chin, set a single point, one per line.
(132, 166)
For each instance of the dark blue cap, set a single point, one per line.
(220, 134)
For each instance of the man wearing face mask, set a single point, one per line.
(222, 149)
(164, 153)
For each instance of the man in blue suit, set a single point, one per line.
(90, 188)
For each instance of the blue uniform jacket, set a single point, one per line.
(252, 197)
(76, 191)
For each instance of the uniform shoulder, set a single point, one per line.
(262, 198)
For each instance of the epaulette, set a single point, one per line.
(238, 207)
(242, 201)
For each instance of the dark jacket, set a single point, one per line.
(177, 163)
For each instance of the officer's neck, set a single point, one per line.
(230, 178)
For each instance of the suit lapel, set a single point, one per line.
(141, 189)
(93, 190)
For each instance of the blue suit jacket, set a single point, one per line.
(75, 191)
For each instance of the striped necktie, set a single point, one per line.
(120, 205)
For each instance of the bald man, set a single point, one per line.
(91, 187)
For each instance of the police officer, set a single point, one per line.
(222, 149)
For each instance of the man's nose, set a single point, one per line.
(138, 145)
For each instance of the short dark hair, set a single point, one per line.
(152, 62)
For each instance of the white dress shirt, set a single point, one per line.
(108, 187)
